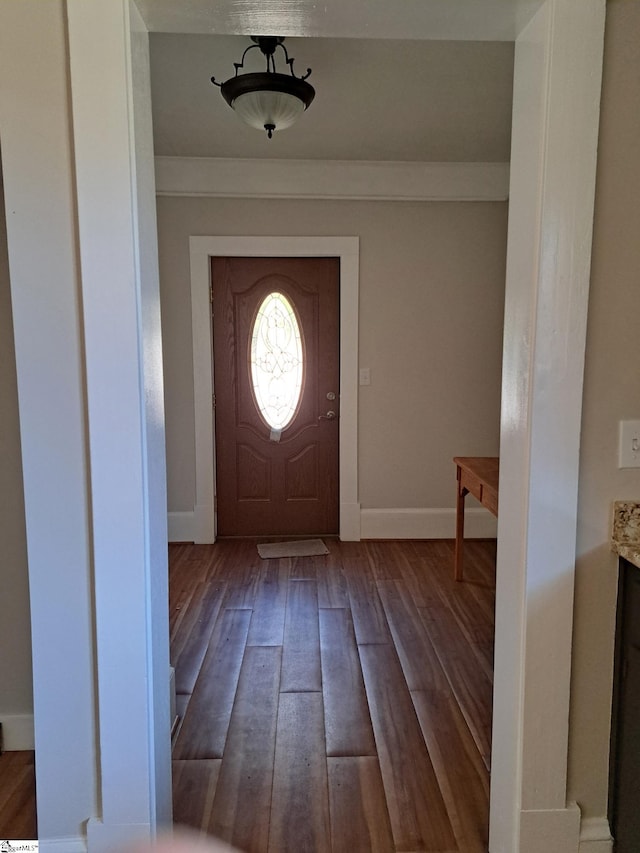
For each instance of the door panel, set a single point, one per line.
(271, 482)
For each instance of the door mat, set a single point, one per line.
(297, 548)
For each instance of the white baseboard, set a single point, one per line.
(196, 526)
(549, 830)
(204, 524)
(17, 732)
(108, 837)
(350, 522)
(359, 523)
(63, 845)
(426, 524)
(595, 835)
(180, 526)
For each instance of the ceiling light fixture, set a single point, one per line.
(267, 100)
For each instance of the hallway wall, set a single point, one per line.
(611, 393)
(431, 311)
(16, 693)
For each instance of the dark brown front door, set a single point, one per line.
(275, 327)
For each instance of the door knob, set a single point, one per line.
(328, 417)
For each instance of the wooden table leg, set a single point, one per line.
(459, 555)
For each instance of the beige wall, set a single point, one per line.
(611, 393)
(16, 688)
(431, 311)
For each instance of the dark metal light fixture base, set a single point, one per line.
(276, 111)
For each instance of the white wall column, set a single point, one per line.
(558, 68)
(109, 63)
(37, 160)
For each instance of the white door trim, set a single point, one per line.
(558, 66)
(201, 250)
(539, 501)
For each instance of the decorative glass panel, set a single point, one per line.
(276, 361)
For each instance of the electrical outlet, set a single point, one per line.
(629, 446)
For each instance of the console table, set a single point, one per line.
(477, 476)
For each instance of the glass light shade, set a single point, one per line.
(263, 108)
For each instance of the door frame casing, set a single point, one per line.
(201, 250)
(109, 78)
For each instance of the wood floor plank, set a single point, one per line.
(181, 553)
(359, 816)
(301, 650)
(369, 620)
(181, 612)
(182, 702)
(267, 621)
(473, 600)
(417, 811)
(194, 787)
(300, 799)
(194, 632)
(418, 571)
(470, 685)
(471, 606)
(485, 554)
(420, 664)
(17, 796)
(462, 776)
(332, 584)
(242, 583)
(480, 560)
(202, 554)
(247, 768)
(204, 729)
(303, 569)
(222, 559)
(348, 727)
(473, 611)
(483, 557)
(184, 577)
(448, 617)
(383, 559)
(485, 651)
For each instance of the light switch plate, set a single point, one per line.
(365, 376)
(629, 445)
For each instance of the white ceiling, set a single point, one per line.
(407, 80)
(428, 101)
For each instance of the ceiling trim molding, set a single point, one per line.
(331, 179)
(475, 20)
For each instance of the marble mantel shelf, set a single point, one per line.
(625, 533)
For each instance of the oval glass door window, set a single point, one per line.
(276, 358)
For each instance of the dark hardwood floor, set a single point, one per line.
(336, 703)
(17, 796)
